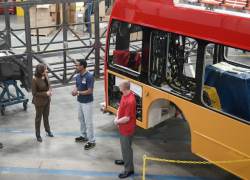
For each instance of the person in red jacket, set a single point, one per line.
(126, 123)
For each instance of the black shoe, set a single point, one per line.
(125, 174)
(50, 134)
(39, 138)
(119, 162)
(89, 146)
(80, 139)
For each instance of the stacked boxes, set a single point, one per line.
(33, 18)
(72, 18)
(50, 15)
(102, 9)
(102, 17)
(54, 16)
(92, 19)
(70, 11)
(43, 18)
(136, 36)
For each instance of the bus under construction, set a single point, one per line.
(177, 57)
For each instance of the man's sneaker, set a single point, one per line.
(80, 139)
(89, 146)
(1, 145)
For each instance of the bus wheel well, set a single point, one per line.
(178, 111)
(162, 109)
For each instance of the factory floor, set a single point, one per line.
(60, 157)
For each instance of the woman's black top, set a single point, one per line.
(45, 81)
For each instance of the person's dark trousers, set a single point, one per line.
(127, 152)
(42, 111)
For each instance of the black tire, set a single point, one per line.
(3, 112)
(25, 106)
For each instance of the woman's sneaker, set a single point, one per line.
(80, 139)
(89, 146)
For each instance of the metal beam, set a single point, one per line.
(52, 39)
(7, 25)
(50, 69)
(37, 2)
(28, 44)
(65, 43)
(97, 41)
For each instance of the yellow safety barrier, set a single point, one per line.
(187, 162)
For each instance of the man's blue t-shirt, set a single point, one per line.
(83, 83)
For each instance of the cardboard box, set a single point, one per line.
(92, 19)
(61, 16)
(44, 22)
(102, 9)
(58, 7)
(53, 16)
(136, 36)
(72, 6)
(93, 26)
(58, 18)
(53, 8)
(33, 9)
(72, 16)
(53, 24)
(33, 19)
(67, 6)
(67, 15)
(106, 18)
(43, 12)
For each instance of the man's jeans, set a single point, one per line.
(85, 116)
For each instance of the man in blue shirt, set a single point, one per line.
(84, 92)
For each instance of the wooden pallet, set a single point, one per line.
(34, 34)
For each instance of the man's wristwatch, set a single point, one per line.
(78, 93)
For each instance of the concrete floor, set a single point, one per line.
(60, 157)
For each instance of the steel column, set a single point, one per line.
(28, 44)
(37, 40)
(97, 41)
(65, 43)
(7, 25)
